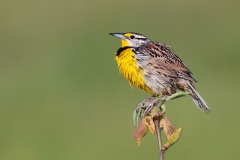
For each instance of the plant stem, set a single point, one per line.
(158, 132)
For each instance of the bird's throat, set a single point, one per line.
(124, 43)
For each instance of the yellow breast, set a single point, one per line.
(127, 65)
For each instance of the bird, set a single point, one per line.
(155, 68)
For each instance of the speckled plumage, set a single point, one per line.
(153, 66)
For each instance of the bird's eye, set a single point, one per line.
(132, 37)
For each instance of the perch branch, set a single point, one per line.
(156, 120)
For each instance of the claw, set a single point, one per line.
(143, 104)
(151, 106)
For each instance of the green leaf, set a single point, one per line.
(172, 139)
(177, 95)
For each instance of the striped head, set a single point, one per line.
(131, 39)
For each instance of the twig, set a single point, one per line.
(158, 132)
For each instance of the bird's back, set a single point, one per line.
(162, 68)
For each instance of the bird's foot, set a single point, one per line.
(143, 105)
(148, 104)
(149, 108)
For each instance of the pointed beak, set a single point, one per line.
(119, 35)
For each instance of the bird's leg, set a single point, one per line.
(154, 103)
(157, 103)
(148, 104)
(142, 106)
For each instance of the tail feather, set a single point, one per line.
(197, 99)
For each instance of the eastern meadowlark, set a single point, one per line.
(154, 67)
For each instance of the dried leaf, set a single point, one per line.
(140, 131)
(168, 128)
(150, 124)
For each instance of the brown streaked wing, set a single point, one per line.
(162, 55)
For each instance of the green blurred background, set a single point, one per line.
(62, 97)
